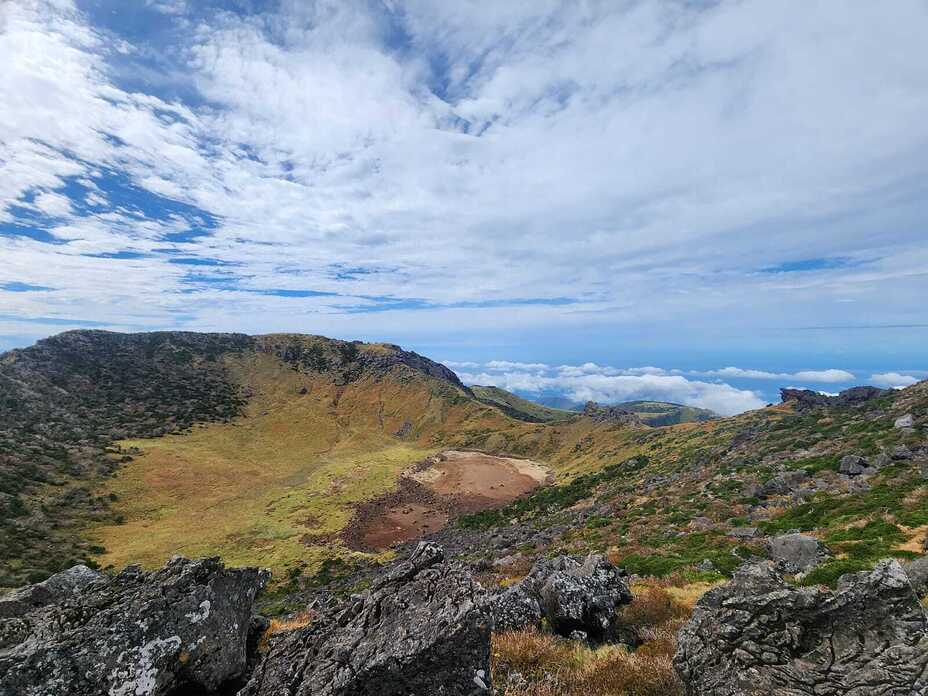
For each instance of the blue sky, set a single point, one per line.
(683, 186)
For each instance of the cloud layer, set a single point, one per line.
(591, 382)
(704, 171)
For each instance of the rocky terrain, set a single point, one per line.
(425, 625)
(778, 551)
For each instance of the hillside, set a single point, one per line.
(519, 408)
(660, 413)
(276, 450)
(653, 413)
(189, 412)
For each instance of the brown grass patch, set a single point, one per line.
(291, 623)
(531, 662)
(527, 662)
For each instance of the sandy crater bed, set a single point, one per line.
(436, 490)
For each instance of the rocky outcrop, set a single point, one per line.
(138, 634)
(609, 414)
(573, 594)
(515, 608)
(423, 628)
(55, 589)
(855, 396)
(798, 553)
(760, 635)
(852, 465)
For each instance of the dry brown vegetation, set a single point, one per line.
(541, 664)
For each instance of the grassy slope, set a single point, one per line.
(519, 408)
(659, 413)
(703, 470)
(267, 489)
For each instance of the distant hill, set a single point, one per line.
(559, 402)
(653, 413)
(519, 408)
(659, 413)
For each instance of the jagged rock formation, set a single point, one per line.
(423, 628)
(571, 593)
(138, 634)
(855, 396)
(760, 635)
(609, 414)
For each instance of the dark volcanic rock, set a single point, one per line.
(759, 635)
(138, 634)
(572, 593)
(852, 465)
(855, 396)
(515, 608)
(423, 628)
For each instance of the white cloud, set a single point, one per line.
(892, 379)
(463, 364)
(507, 365)
(609, 385)
(641, 161)
(826, 376)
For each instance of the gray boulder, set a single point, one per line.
(906, 421)
(901, 452)
(917, 572)
(784, 483)
(423, 628)
(56, 588)
(760, 635)
(744, 532)
(514, 609)
(580, 594)
(144, 634)
(852, 465)
(797, 552)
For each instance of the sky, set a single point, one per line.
(692, 200)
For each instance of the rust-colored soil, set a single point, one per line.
(435, 491)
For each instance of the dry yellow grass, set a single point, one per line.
(547, 664)
(536, 663)
(258, 490)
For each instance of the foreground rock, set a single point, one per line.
(760, 635)
(138, 634)
(573, 594)
(424, 628)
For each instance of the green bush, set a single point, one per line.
(829, 572)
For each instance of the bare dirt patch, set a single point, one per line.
(435, 491)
